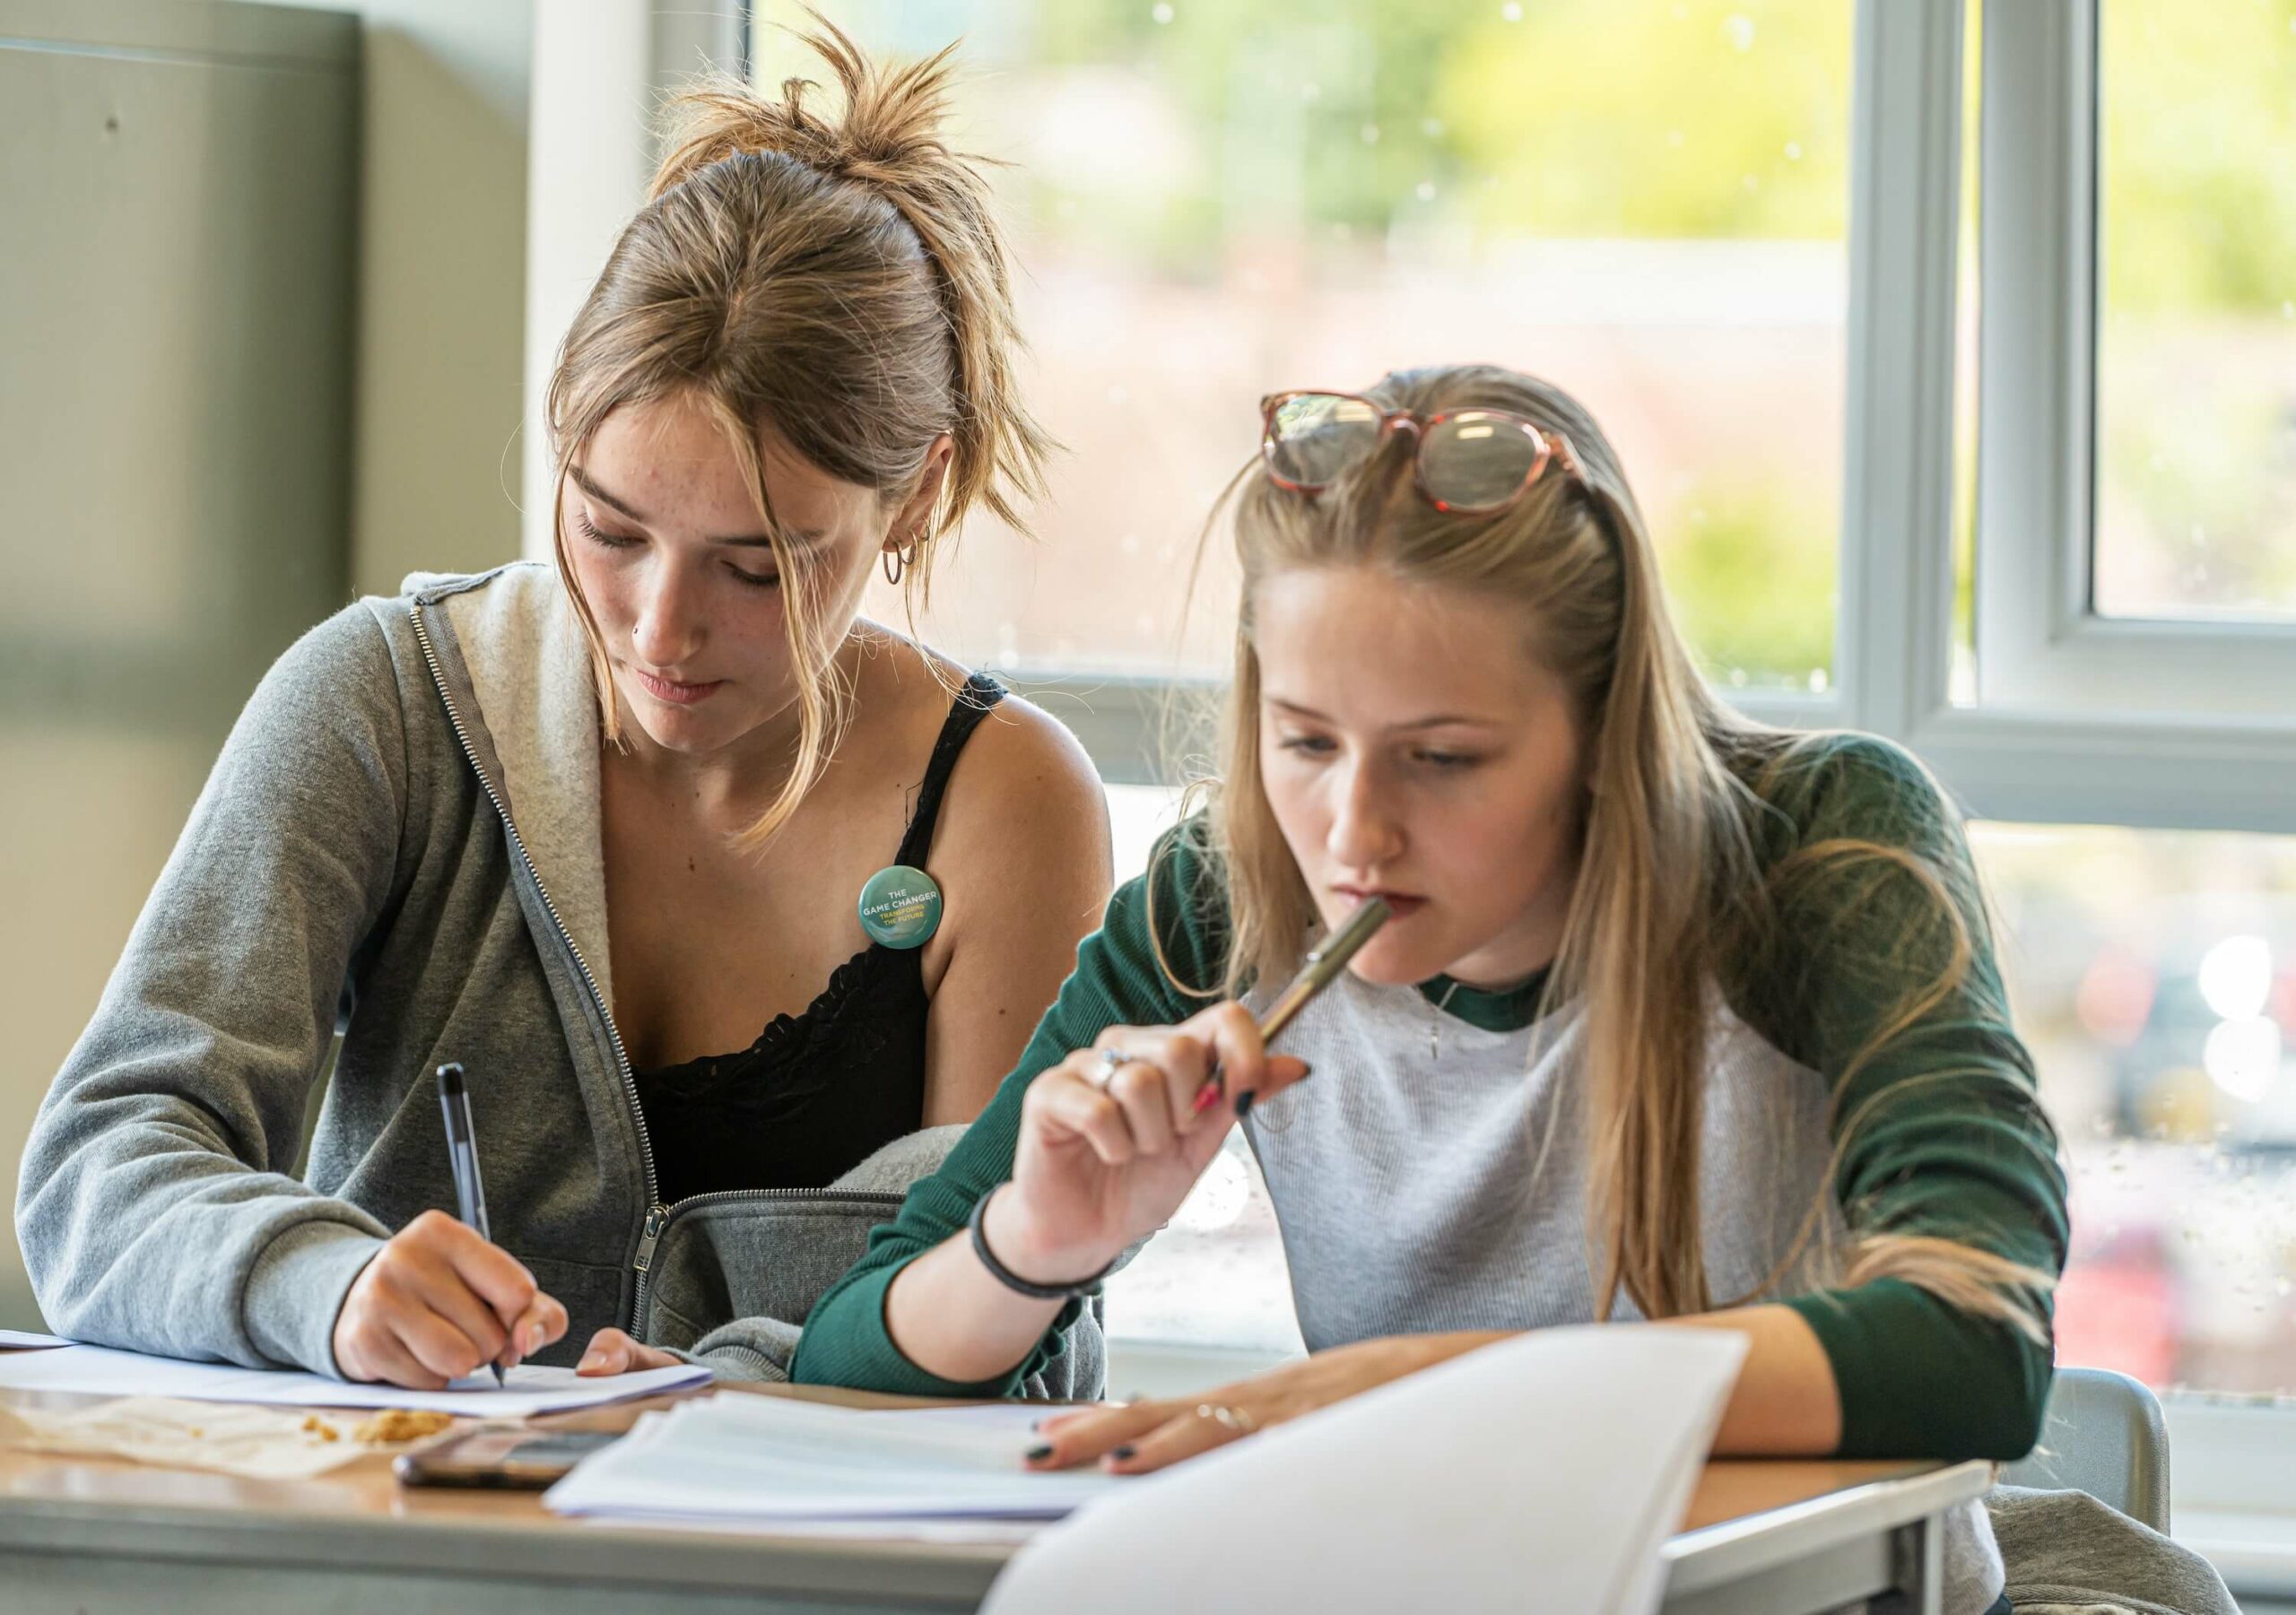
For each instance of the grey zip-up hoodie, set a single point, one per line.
(400, 842)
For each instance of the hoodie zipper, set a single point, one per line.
(659, 1218)
(656, 1213)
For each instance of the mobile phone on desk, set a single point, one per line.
(501, 1456)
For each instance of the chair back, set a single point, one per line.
(2103, 1435)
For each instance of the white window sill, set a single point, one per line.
(2255, 1553)
(2232, 1488)
(1139, 1366)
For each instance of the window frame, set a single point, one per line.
(2081, 718)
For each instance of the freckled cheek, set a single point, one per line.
(765, 656)
(607, 591)
(749, 638)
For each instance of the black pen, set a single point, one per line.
(462, 1154)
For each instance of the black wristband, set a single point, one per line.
(1009, 1278)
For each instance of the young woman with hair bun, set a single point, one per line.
(720, 893)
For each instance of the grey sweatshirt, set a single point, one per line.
(1441, 1183)
(400, 842)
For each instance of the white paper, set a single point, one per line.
(24, 1340)
(101, 1371)
(756, 1458)
(265, 1444)
(1543, 1473)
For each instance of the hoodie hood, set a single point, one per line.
(511, 639)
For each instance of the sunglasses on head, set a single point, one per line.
(1467, 462)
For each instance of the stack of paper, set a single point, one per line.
(754, 1459)
(24, 1340)
(98, 1370)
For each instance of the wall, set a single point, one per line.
(442, 285)
(442, 270)
(442, 313)
(436, 379)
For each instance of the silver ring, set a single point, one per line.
(1230, 1419)
(1112, 1060)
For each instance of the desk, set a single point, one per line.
(82, 1536)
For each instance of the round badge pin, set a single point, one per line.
(900, 906)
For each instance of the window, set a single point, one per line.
(2196, 428)
(1214, 200)
(2155, 979)
(2135, 548)
(1216, 1275)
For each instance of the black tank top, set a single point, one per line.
(817, 1093)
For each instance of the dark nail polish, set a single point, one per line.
(1123, 1454)
(1244, 1105)
(1306, 1070)
(1039, 1453)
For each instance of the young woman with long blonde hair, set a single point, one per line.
(1677, 1018)
(716, 890)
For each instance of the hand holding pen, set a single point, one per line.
(438, 1302)
(1112, 1138)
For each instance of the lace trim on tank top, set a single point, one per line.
(818, 1038)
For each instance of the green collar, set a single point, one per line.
(1487, 1009)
